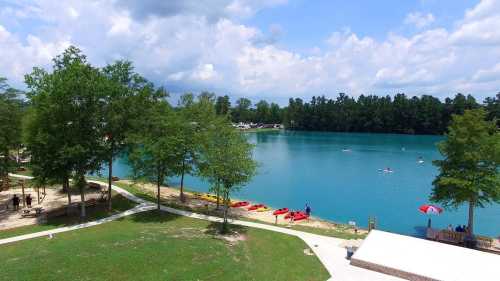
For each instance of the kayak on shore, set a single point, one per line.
(240, 204)
(255, 207)
(280, 211)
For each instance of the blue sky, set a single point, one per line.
(308, 23)
(272, 49)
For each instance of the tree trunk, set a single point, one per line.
(158, 191)
(217, 193)
(226, 209)
(182, 182)
(24, 196)
(82, 197)
(218, 197)
(66, 186)
(470, 225)
(110, 178)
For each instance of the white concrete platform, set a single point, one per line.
(418, 259)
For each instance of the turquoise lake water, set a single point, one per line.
(311, 167)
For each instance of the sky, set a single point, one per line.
(268, 49)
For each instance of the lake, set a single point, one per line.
(338, 175)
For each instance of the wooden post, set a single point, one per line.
(371, 223)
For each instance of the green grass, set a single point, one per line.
(342, 231)
(159, 246)
(119, 204)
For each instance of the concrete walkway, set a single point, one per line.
(327, 249)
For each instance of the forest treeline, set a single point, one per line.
(376, 114)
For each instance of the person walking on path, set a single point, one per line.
(29, 200)
(15, 202)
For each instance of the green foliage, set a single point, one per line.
(222, 105)
(469, 170)
(10, 125)
(154, 152)
(493, 107)
(242, 112)
(64, 126)
(120, 106)
(424, 115)
(226, 160)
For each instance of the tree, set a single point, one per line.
(65, 125)
(120, 107)
(153, 154)
(275, 114)
(469, 170)
(262, 112)
(492, 105)
(194, 116)
(222, 105)
(10, 125)
(226, 161)
(242, 112)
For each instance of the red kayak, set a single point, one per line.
(300, 216)
(280, 211)
(240, 204)
(255, 207)
(297, 215)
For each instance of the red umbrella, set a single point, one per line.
(430, 209)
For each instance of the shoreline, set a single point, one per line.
(171, 195)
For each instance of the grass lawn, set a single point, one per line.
(160, 246)
(119, 204)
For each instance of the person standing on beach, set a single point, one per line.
(15, 202)
(308, 210)
(29, 200)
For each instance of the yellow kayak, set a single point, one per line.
(263, 209)
(197, 195)
(213, 198)
(208, 197)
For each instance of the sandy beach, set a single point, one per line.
(171, 195)
(53, 199)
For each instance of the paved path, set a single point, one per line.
(327, 249)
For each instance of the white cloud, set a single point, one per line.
(190, 49)
(18, 57)
(488, 75)
(419, 20)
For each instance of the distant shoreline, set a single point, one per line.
(260, 130)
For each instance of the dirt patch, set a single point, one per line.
(308, 252)
(232, 238)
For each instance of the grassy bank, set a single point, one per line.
(160, 246)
